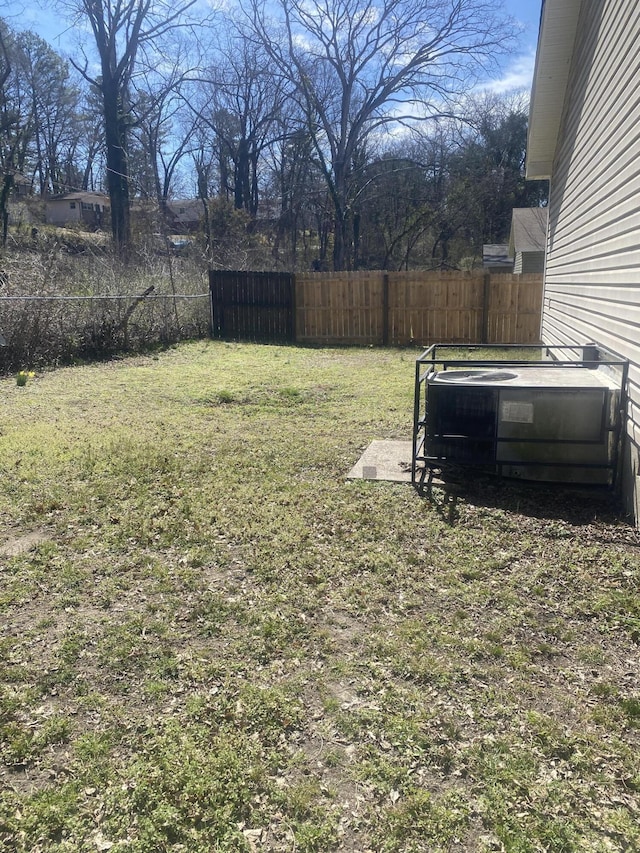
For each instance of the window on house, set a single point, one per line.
(72, 205)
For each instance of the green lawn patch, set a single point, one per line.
(210, 640)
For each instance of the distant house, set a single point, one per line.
(584, 137)
(22, 187)
(91, 209)
(528, 238)
(495, 258)
(185, 215)
(17, 188)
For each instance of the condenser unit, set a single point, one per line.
(553, 421)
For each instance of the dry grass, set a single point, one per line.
(100, 313)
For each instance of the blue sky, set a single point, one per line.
(518, 70)
(41, 18)
(528, 13)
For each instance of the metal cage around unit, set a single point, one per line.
(541, 413)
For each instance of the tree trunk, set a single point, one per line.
(203, 193)
(342, 236)
(338, 243)
(117, 177)
(356, 240)
(241, 182)
(5, 192)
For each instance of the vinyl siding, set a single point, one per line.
(592, 280)
(61, 212)
(529, 262)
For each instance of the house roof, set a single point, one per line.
(79, 196)
(186, 209)
(528, 229)
(496, 255)
(556, 39)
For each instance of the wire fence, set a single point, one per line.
(56, 329)
(102, 298)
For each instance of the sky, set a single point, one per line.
(517, 73)
(22, 15)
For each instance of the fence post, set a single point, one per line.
(385, 310)
(486, 293)
(294, 309)
(210, 306)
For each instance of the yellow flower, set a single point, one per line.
(22, 376)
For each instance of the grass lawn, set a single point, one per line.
(211, 641)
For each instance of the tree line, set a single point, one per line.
(330, 134)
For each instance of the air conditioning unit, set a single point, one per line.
(542, 420)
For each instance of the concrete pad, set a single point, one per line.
(384, 460)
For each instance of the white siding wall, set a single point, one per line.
(61, 212)
(592, 284)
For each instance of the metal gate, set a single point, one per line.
(254, 306)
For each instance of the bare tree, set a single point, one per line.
(121, 30)
(491, 161)
(54, 105)
(6, 127)
(298, 198)
(358, 65)
(87, 168)
(240, 99)
(16, 122)
(163, 126)
(395, 209)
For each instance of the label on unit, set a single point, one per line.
(516, 412)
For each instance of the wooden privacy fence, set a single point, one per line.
(384, 308)
(252, 305)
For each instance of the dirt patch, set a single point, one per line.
(21, 544)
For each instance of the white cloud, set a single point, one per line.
(517, 75)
